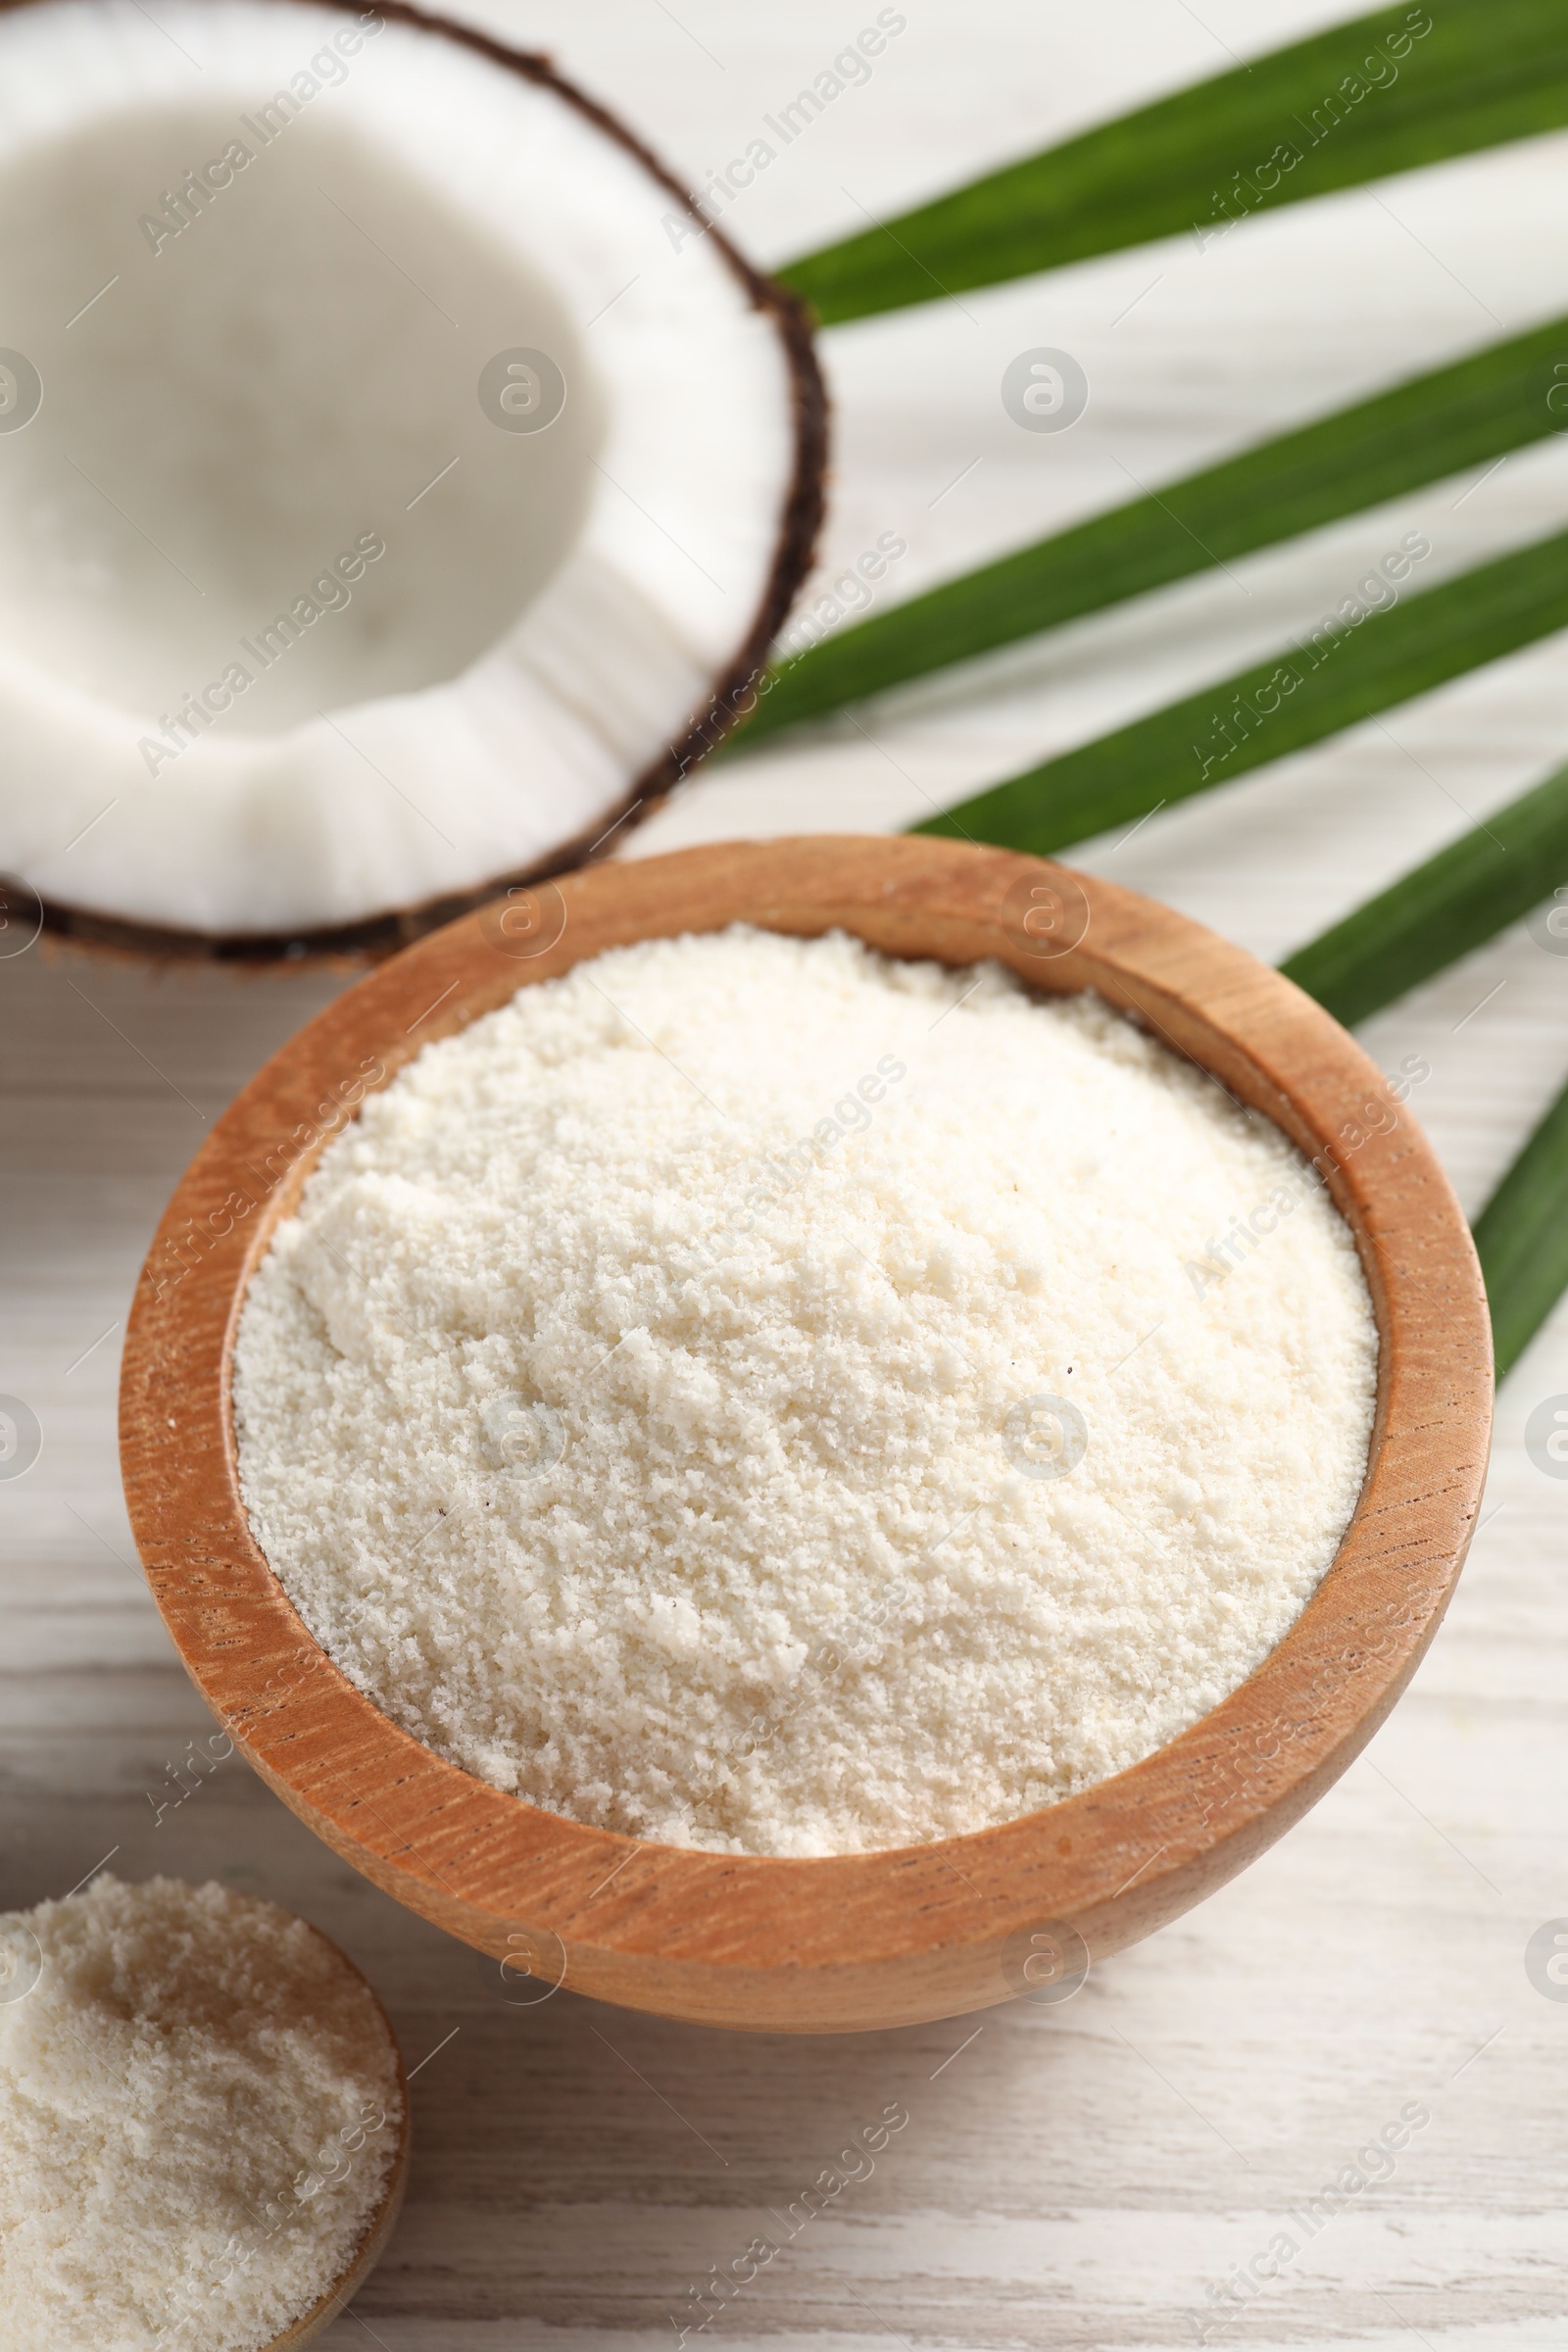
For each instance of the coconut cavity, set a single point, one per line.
(388, 469)
(248, 424)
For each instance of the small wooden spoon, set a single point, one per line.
(383, 2219)
(372, 2245)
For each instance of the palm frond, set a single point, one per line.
(1440, 909)
(1384, 93)
(1465, 415)
(1347, 669)
(1522, 1239)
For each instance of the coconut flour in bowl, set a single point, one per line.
(758, 1394)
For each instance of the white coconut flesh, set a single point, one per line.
(240, 407)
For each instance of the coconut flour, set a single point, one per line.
(756, 1395)
(199, 2108)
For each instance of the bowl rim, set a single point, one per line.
(840, 1941)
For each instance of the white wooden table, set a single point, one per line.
(1072, 2177)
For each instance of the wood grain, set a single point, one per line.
(849, 1942)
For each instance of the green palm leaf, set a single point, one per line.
(1432, 425)
(1522, 1239)
(1297, 696)
(1422, 924)
(1380, 95)
(1441, 910)
(1384, 93)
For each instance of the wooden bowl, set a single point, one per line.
(853, 1940)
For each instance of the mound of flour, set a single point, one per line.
(199, 2107)
(753, 1394)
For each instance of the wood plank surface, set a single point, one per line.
(1072, 2178)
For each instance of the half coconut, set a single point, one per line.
(400, 481)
